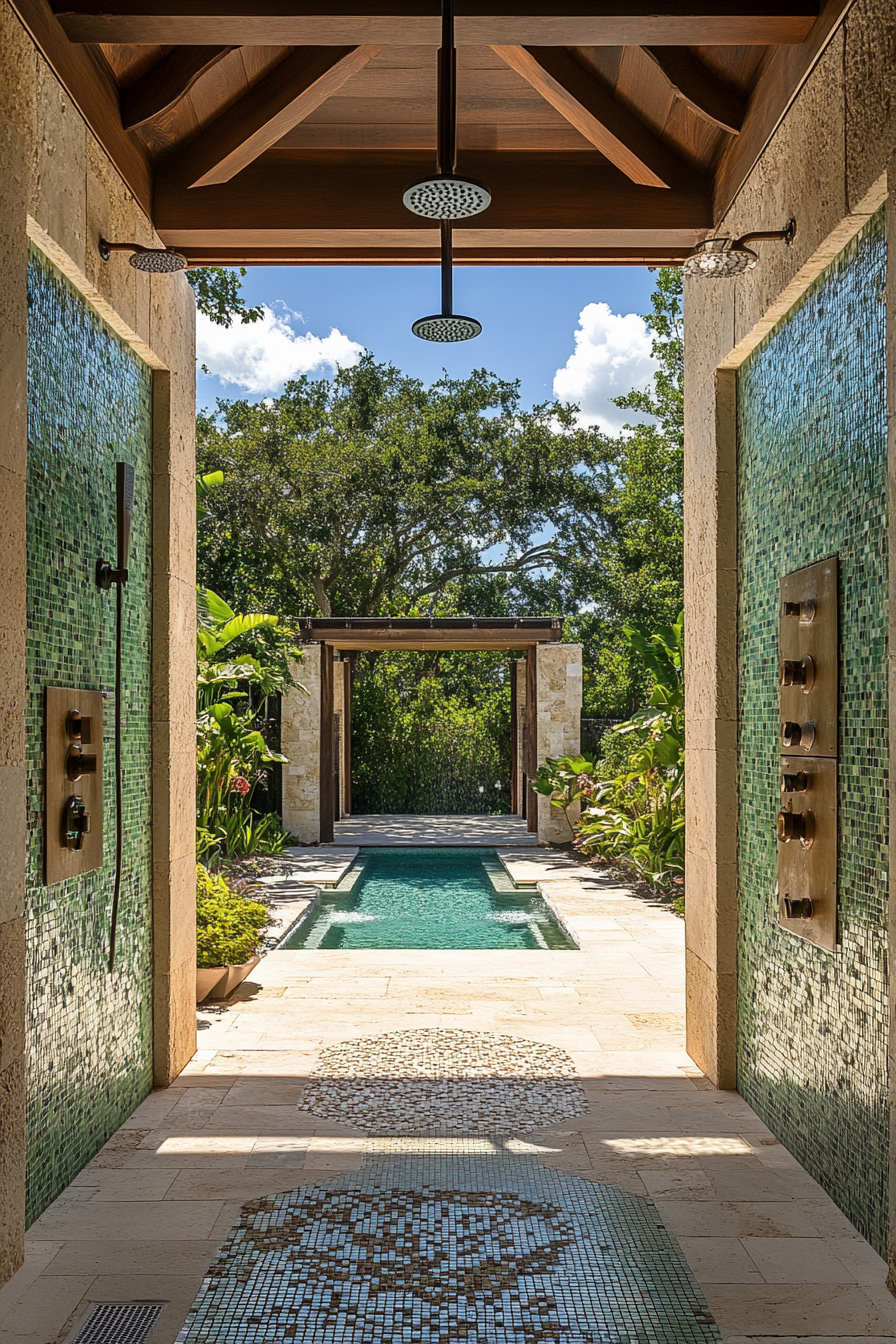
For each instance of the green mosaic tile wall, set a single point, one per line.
(812, 1051)
(89, 1033)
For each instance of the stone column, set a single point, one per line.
(300, 743)
(559, 725)
(13, 446)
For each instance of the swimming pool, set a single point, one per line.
(429, 898)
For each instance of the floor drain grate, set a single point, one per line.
(116, 1323)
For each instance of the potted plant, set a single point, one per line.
(228, 935)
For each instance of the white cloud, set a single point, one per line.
(261, 356)
(612, 357)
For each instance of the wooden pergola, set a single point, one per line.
(286, 131)
(360, 634)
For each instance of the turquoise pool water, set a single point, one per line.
(429, 898)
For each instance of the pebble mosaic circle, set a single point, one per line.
(482, 1251)
(452, 1081)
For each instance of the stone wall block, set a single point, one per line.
(800, 175)
(708, 329)
(174, 1019)
(711, 1023)
(13, 851)
(111, 214)
(12, 991)
(300, 743)
(59, 178)
(12, 1168)
(870, 113)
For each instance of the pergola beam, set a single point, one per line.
(297, 200)
(697, 86)
(166, 83)
(591, 108)
(291, 92)
(416, 22)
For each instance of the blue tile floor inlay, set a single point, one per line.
(451, 1246)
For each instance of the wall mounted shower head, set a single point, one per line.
(724, 257)
(156, 260)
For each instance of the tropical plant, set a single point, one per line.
(636, 818)
(228, 926)
(564, 780)
(231, 753)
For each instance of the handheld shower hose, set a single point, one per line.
(106, 575)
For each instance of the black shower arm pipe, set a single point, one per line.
(447, 93)
(447, 269)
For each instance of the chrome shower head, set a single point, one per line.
(723, 257)
(719, 257)
(155, 260)
(447, 197)
(446, 327)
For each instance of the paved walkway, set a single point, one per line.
(409, 830)
(456, 1146)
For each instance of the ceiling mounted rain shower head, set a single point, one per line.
(445, 196)
(721, 258)
(155, 260)
(447, 327)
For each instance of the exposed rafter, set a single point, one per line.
(301, 199)
(166, 83)
(591, 108)
(291, 92)
(403, 22)
(696, 85)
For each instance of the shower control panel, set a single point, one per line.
(806, 823)
(73, 783)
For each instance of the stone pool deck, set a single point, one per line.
(567, 1101)
(437, 831)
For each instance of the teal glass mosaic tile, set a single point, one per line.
(812, 453)
(456, 1249)
(89, 1033)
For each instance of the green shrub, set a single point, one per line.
(228, 926)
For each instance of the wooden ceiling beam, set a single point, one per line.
(291, 92)
(699, 87)
(280, 199)
(560, 254)
(168, 81)
(591, 108)
(416, 22)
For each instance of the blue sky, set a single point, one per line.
(536, 321)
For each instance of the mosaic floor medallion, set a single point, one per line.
(471, 1082)
(441, 1250)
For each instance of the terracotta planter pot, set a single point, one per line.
(217, 982)
(207, 978)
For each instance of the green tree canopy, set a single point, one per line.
(371, 494)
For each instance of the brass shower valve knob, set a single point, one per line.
(77, 764)
(803, 611)
(77, 823)
(796, 826)
(798, 672)
(797, 734)
(797, 783)
(798, 907)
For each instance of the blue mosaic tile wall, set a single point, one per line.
(89, 1033)
(812, 1052)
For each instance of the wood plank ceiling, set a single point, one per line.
(287, 131)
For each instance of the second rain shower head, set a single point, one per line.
(447, 326)
(447, 196)
(155, 260)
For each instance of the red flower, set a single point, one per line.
(240, 785)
